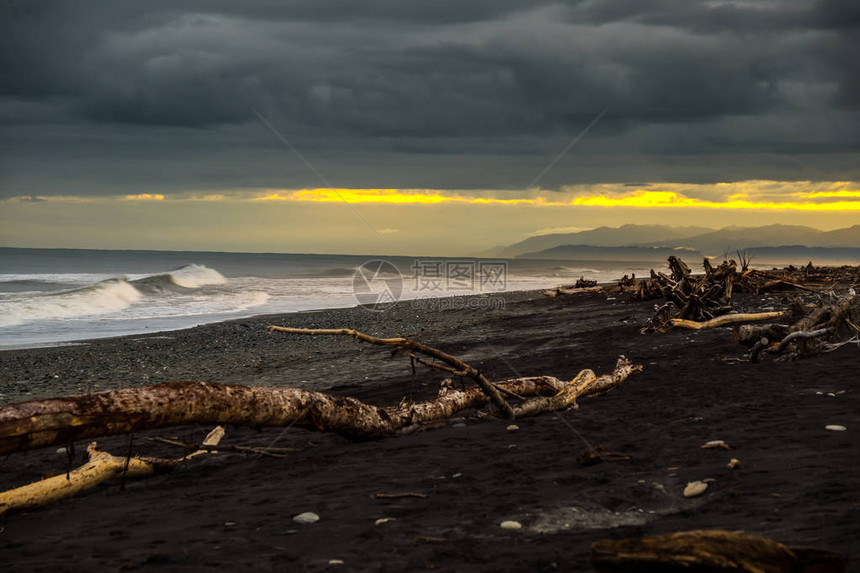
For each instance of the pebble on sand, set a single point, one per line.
(512, 427)
(716, 444)
(835, 428)
(511, 525)
(695, 488)
(335, 562)
(382, 520)
(733, 464)
(306, 517)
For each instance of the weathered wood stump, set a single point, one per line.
(710, 551)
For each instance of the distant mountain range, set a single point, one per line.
(779, 243)
(624, 236)
(593, 253)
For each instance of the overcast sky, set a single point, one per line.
(181, 101)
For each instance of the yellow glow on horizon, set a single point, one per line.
(761, 195)
(146, 197)
(748, 195)
(391, 196)
(664, 199)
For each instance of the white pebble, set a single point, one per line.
(512, 428)
(335, 562)
(307, 517)
(511, 525)
(382, 520)
(835, 428)
(695, 488)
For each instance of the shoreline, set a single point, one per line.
(424, 301)
(96, 364)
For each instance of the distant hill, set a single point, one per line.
(624, 236)
(848, 237)
(593, 253)
(709, 242)
(730, 239)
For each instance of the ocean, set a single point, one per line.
(50, 297)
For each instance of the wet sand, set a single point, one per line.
(798, 483)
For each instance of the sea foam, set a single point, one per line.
(118, 294)
(106, 297)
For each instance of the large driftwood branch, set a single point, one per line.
(39, 423)
(101, 467)
(470, 371)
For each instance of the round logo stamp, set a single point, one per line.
(377, 285)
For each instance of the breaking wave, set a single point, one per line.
(106, 297)
(185, 278)
(175, 293)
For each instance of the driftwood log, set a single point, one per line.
(100, 467)
(711, 551)
(689, 298)
(705, 301)
(40, 423)
(57, 421)
(810, 331)
(724, 320)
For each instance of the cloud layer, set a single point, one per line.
(158, 97)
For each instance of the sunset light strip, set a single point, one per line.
(743, 195)
(669, 199)
(635, 199)
(387, 196)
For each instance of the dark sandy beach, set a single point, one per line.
(798, 483)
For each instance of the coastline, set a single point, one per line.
(797, 484)
(96, 364)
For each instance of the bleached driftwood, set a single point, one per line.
(813, 331)
(101, 467)
(54, 421)
(724, 320)
(64, 420)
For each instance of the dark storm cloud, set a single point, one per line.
(160, 93)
